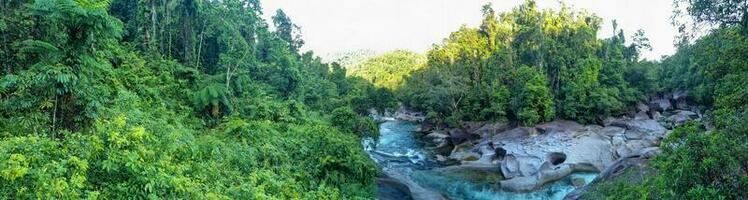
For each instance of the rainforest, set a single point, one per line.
(208, 99)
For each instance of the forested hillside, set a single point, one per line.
(389, 70)
(706, 160)
(193, 99)
(531, 66)
(174, 99)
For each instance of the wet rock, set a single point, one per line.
(437, 135)
(475, 167)
(465, 152)
(577, 182)
(415, 191)
(530, 183)
(391, 189)
(465, 156)
(443, 160)
(440, 142)
(520, 164)
(427, 127)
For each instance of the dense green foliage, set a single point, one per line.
(530, 66)
(201, 99)
(701, 163)
(175, 99)
(696, 163)
(389, 70)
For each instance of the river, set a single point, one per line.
(399, 150)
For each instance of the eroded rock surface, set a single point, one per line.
(529, 157)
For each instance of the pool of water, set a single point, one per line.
(467, 185)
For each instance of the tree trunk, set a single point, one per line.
(153, 22)
(54, 117)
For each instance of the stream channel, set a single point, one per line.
(399, 151)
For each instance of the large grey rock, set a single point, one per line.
(457, 135)
(615, 170)
(437, 136)
(681, 100)
(444, 160)
(517, 166)
(634, 135)
(415, 191)
(465, 156)
(641, 107)
(559, 126)
(656, 116)
(611, 131)
(513, 135)
(530, 183)
(442, 148)
(661, 105)
(529, 157)
(525, 153)
(640, 127)
(633, 147)
(408, 115)
(681, 117)
(439, 142)
(641, 115)
(471, 127)
(577, 182)
(491, 129)
(650, 152)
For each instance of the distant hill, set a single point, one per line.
(390, 69)
(350, 59)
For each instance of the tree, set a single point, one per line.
(715, 11)
(533, 102)
(287, 31)
(181, 93)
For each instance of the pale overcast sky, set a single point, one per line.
(334, 26)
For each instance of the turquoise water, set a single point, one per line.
(463, 186)
(398, 148)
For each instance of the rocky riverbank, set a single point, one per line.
(527, 158)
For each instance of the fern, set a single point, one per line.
(48, 52)
(212, 95)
